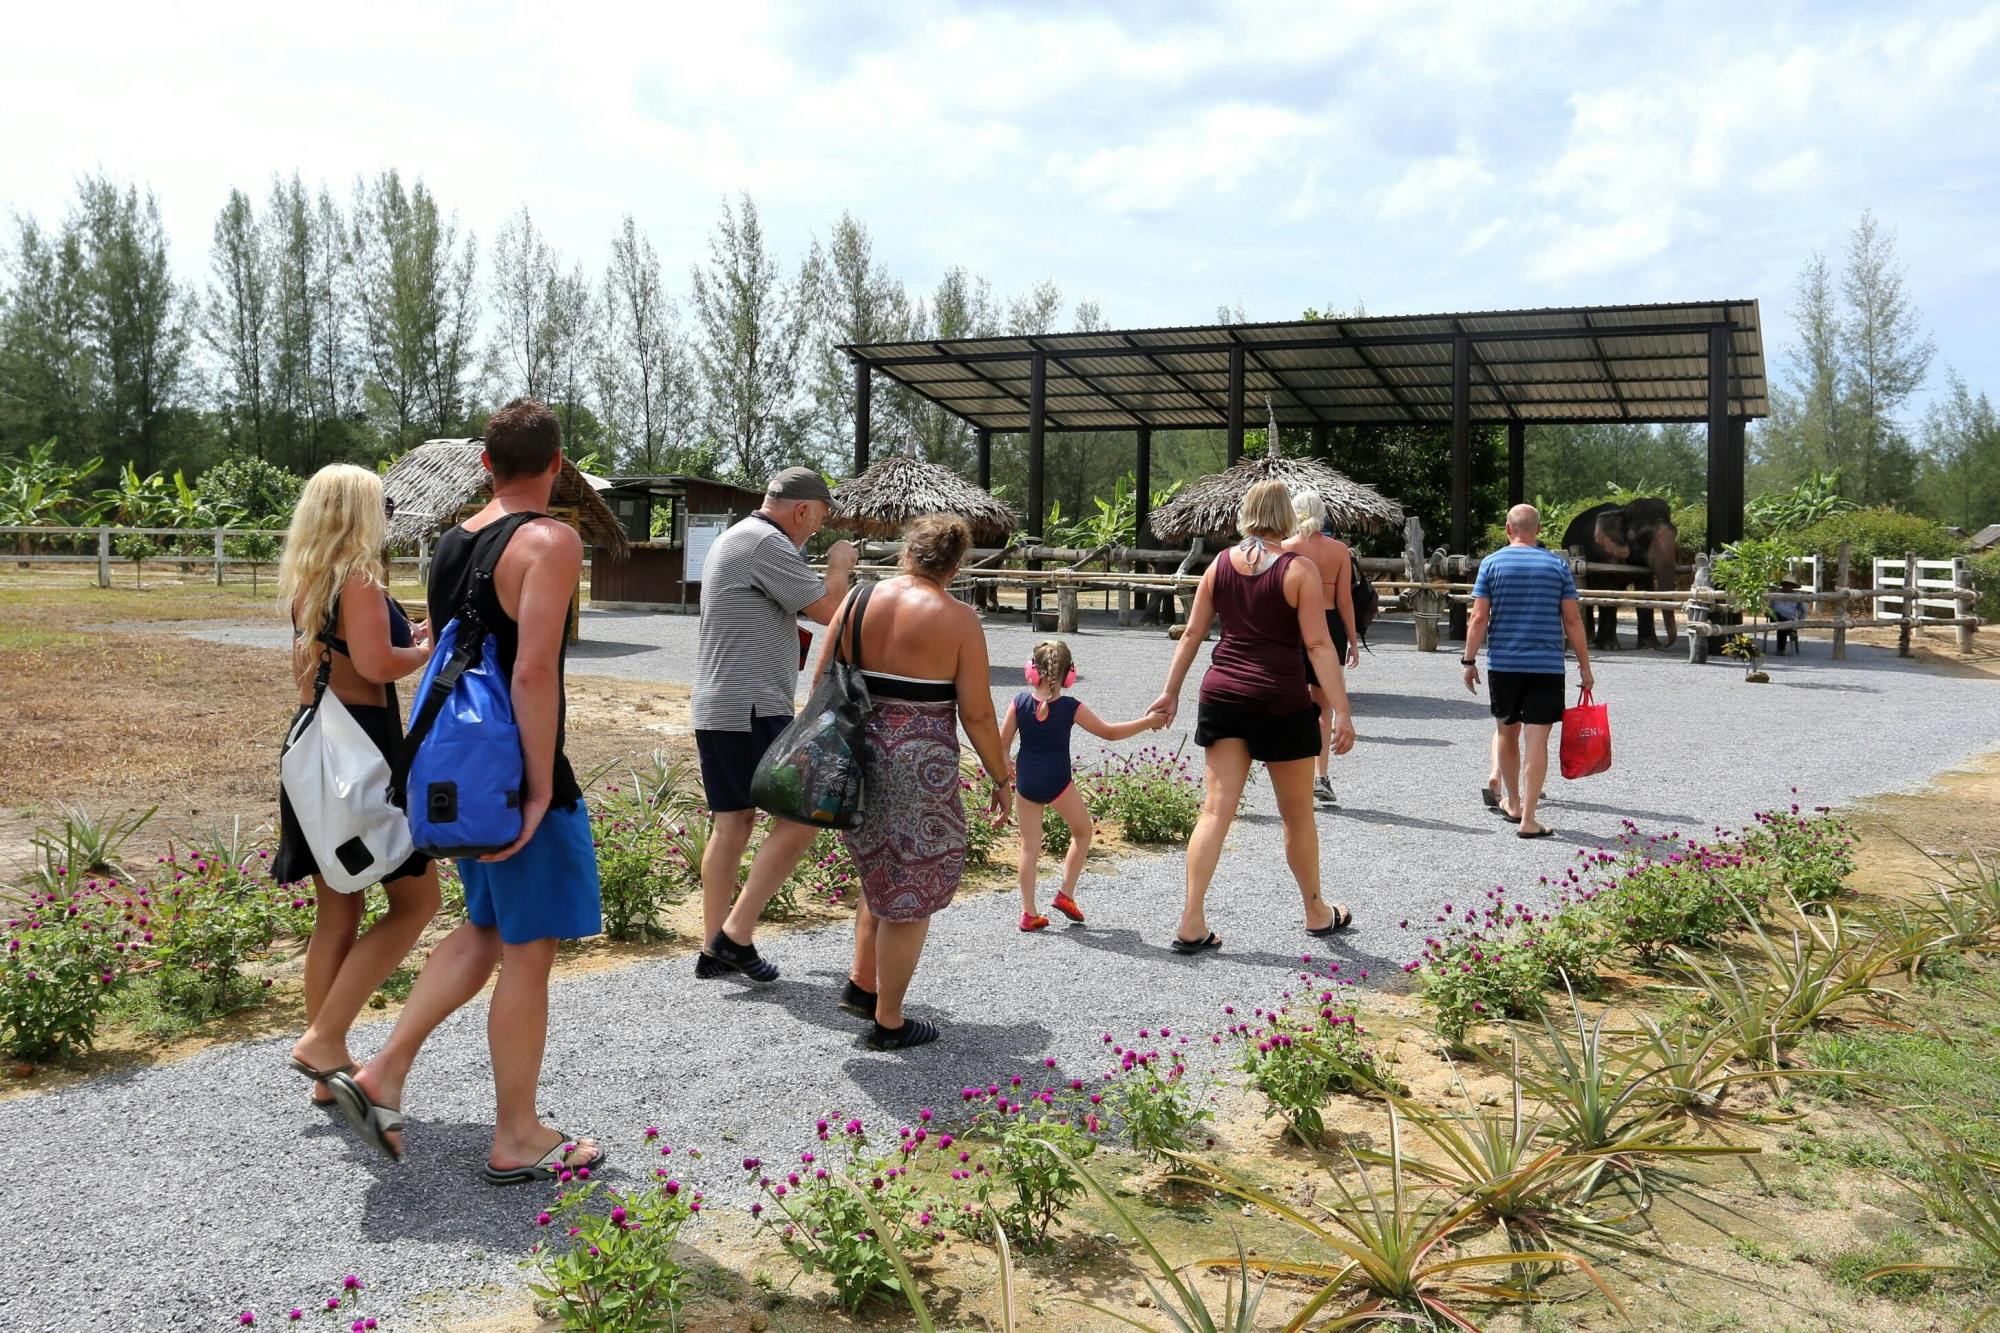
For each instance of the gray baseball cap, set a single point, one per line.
(799, 483)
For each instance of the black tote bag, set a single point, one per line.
(811, 774)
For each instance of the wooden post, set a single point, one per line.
(218, 557)
(104, 557)
(424, 562)
(1517, 463)
(1235, 446)
(982, 439)
(1961, 579)
(1910, 607)
(1142, 488)
(1461, 463)
(1719, 525)
(1697, 616)
(863, 388)
(1066, 610)
(1037, 461)
(1840, 582)
(1413, 549)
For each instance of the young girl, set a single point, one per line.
(332, 579)
(1044, 716)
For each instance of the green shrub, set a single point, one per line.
(826, 873)
(1812, 853)
(610, 1262)
(1473, 979)
(207, 921)
(1055, 835)
(981, 832)
(1024, 1187)
(633, 872)
(61, 960)
(1151, 1098)
(1881, 533)
(1986, 578)
(822, 1221)
(1153, 794)
(1298, 1061)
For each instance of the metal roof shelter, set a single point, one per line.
(1686, 362)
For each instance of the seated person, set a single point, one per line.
(1782, 609)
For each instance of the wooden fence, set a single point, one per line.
(104, 539)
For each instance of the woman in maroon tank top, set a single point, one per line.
(1254, 703)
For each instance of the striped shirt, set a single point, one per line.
(1527, 586)
(753, 586)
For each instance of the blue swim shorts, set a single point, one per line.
(547, 890)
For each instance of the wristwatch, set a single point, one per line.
(1468, 661)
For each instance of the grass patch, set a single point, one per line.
(1899, 1245)
(1757, 1252)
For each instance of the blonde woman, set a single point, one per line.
(1336, 580)
(332, 584)
(1255, 706)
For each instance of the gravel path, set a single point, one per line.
(132, 1183)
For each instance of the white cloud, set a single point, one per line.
(1219, 148)
(1435, 187)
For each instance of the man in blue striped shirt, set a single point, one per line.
(1523, 608)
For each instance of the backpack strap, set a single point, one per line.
(851, 630)
(472, 633)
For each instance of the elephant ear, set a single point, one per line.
(1611, 534)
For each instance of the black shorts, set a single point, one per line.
(1533, 697)
(1273, 738)
(728, 758)
(1337, 628)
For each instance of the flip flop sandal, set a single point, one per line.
(1490, 797)
(914, 1032)
(318, 1076)
(373, 1123)
(1538, 833)
(1511, 819)
(552, 1165)
(1342, 919)
(1188, 948)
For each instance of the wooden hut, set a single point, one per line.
(883, 501)
(664, 572)
(441, 482)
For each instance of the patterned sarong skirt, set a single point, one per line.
(910, 848)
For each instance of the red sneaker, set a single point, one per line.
(1029, 921)
(1067, 906)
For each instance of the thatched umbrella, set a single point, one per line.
(1207, 507)
(882, 501)
(432, 485)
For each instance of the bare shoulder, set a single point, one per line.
(551, 536)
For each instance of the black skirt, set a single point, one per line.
(294, 860)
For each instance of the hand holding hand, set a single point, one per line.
(1166, 706)
(1159, 721)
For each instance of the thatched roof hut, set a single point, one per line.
(1207, 507)
(882, 501)
(438, 482)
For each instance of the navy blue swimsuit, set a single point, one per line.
(1042, 767)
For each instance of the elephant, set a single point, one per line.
(1639, 532)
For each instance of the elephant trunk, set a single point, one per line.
(1664, 557)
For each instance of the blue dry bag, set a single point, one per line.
(462, 769)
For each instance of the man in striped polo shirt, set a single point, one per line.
(754, 586)
(1523, 607)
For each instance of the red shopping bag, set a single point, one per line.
(1586, 738)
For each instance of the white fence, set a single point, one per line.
(1897, 578)
(217, 555)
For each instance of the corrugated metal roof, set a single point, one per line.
(1639, 363)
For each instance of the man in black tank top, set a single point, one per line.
(521, 902)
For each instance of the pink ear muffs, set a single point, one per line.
(1034, 675)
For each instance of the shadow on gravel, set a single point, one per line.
(436, 1194)
(1427, 742)
(1131, 944)
(1405, 821)
(1413, 707)
(588, 648)
(1638, 817)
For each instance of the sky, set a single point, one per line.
(1159, 158)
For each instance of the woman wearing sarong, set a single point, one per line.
(923, 654)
